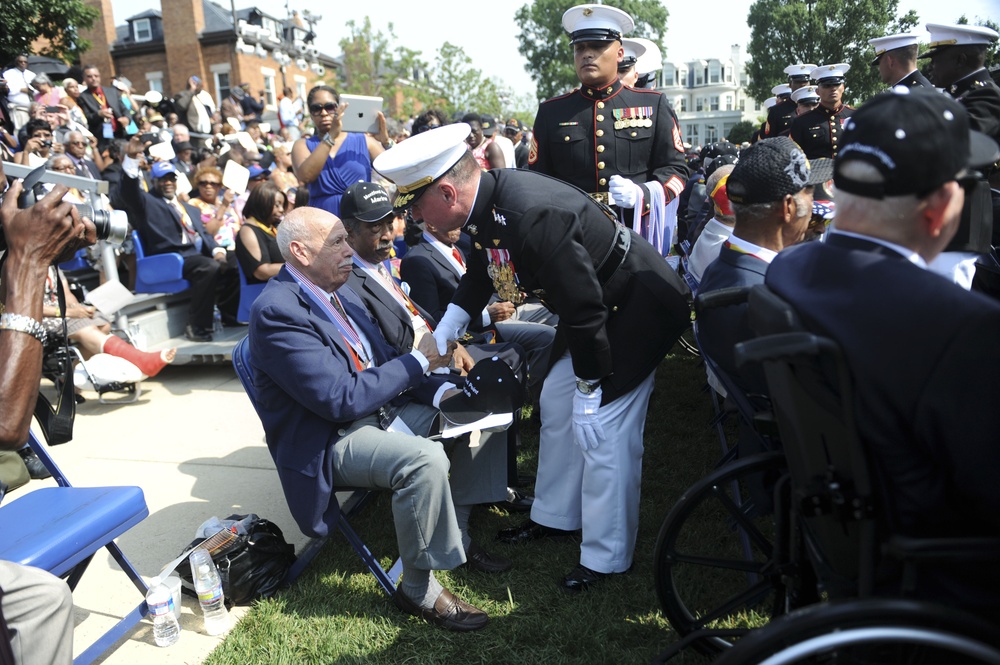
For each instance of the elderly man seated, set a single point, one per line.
(923, 352)
(771, 189)
(330, 392)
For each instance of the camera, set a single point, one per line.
(47, 143)
(112, 225)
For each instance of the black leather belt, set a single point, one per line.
(615, 256)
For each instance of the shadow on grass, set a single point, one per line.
(336, 613)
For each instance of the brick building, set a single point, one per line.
(159, 50)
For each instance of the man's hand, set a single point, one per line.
(587, 428)
(427, 345)
(383, 131)
(45, 231)
(624, 192)
(500, 311)
(124, 121)
(451, 326)
(134, 147)
(463, 361)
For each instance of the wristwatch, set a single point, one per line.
(327, 140)
(587, 387)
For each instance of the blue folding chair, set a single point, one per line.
(158, 273)
(59, 529)
(386, 579)
(248, 293)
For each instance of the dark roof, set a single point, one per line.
(217, 18)
(149, 13)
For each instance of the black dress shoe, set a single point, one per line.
(479, 559)
(196, 334)
(36, 468)
(530, 531)
(449, 612)
(582, 578)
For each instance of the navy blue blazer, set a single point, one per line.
(925, 360)
(159, 224)
(309, 390)
(720, 329)
(392, 319)
(433, 281)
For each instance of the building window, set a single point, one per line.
(729, 73)
(729, 102)
(154, 81)
(711, 134)
(691, 132)
(300, 86)
(270, 95)
(699, 104)
(223, 81)
(743, 105)
(684, 104)
(668, 77)
(715, 103)
(141, 30)
(699, 78)
(714, 73)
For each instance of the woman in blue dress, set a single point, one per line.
(331, 160)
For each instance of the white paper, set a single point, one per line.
(109, 297)
(496, 420)
(162, 151)
(183, 184)
(265, 127)
(236, 177)
(235, 124)
(246, 141)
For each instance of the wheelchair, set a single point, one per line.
(833, 548)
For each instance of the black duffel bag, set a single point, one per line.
(251, 566)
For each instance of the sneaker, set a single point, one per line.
(36, 468)
(196, 334)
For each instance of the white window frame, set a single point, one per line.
(217, 70)
(149, 29)
(270, 93)
(301, 82)
(154, 81)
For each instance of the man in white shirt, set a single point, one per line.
(19, 79)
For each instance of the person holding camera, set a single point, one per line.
(38, 146)
(36, 608)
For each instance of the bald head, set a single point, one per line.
(315, 242)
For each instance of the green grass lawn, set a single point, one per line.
(336, 613)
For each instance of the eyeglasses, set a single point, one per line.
(329, 107)
(208, 183)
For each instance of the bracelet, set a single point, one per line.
(23, 324)
(327, 140)
(390, 144)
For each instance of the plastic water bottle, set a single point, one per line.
(166, 630)
(217, 320)
(208, 585)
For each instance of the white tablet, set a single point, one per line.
(361, 114)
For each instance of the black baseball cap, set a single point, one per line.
(917, 139)
(488, 124)
(490, 388)
(771, 169)
(365, 201)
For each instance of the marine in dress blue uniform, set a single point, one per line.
(819, 131)
(896, 60)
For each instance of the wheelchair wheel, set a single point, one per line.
(716, 565)
(883, 631)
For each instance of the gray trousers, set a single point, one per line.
(416, 469)
(38, 609)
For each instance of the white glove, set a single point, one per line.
(587, 429)
(451, 326)
(624, 192)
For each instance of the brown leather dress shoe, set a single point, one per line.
(449, 612)
(479, 559)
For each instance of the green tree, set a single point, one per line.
(465, 88)
(375, 66)
(742, 131)
(545, 44)
(58, 21)
(785, 32)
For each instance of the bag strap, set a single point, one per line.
(57, 423)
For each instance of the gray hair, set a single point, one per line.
(885, 211)
(42, 78)
(295, 227)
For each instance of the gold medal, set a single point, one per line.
(648, 123)
(618, 124)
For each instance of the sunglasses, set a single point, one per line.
(329, 107)
(208, 183)
(427, 128)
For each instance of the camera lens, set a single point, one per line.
(46, 144)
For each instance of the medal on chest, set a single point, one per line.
(633, 116)
(501, 271)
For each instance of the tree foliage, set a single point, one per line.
(58, 21)
(785, 32)
(465, 88)
(545, 44)
(993, 50)
(374, 65)
(742, 131)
